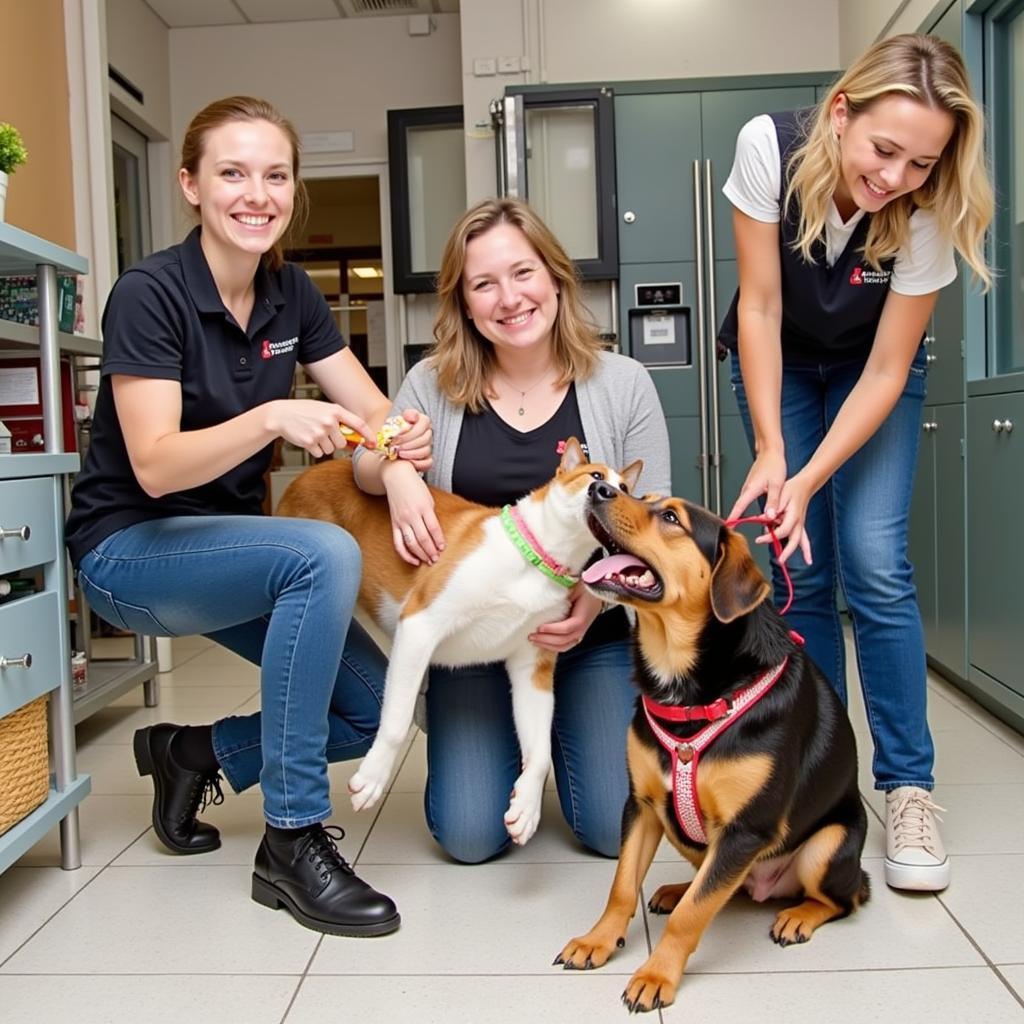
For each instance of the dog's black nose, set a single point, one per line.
(601, 490)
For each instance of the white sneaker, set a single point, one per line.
(914, 855)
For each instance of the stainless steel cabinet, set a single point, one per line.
(938, 535)
(995, 493)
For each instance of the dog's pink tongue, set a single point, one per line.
(614, 563)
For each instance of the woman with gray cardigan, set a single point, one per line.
(515, 371)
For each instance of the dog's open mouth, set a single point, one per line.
(619, 572)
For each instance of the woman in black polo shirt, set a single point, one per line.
(201, 342)
(846, 221)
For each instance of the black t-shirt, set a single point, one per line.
(165, 319)
(495, 465)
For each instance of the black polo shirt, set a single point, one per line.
(829, 314)
(165, 319)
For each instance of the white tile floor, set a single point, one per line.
(139, 935)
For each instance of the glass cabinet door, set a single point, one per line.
(1006, 32)
(427, 170)
(556, 149)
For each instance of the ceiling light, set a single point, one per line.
(366, 271)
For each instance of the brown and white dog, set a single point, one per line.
(478, 603)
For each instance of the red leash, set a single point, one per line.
(769, 523)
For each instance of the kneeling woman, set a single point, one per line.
(201, 342)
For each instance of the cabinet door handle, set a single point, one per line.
(929, 427)
(629, 217)
(1002, 426)
(25, 661)
(21, 532)
(930, 357)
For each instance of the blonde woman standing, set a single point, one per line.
(516, 370)
(846, 220)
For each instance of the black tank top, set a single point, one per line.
(828, 313)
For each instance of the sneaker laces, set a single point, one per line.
(205, 792)
(912, 819)
(321, 849)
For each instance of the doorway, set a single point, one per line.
(340, 249)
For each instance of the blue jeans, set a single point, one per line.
(280, 593)
(857, 525)
(473, 755)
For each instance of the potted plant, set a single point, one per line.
(12, 155)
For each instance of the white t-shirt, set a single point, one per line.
(925, 264)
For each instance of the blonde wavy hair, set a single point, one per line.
(958, 189)
(248, 108)
(461, 355)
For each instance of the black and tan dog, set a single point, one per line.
(774, 805)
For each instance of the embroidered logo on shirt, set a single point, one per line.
(862, 276)
(270, 348)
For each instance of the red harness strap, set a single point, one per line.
(686, 753)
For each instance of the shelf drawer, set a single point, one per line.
(29, 626)
(27, 503)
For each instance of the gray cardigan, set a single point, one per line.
(619, 407)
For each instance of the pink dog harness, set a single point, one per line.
(686, 753)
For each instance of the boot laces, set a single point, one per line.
(320, 848)
(913, 819)
(205, 792)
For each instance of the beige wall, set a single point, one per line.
(34, 98)
(862, 22)
(607, 40)
(138, 46)
(323, 75)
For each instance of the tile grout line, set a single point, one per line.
(73, 896)
(970, 938)
(302, 978)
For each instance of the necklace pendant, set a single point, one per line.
(521, 411)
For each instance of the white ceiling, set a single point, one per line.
(194, 13)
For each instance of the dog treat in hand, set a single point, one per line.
(352, 437)
(389, 430)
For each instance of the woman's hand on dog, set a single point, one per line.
(417, 534)
(567, 633)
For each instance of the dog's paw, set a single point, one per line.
(666, 898)
(650, 989)
(797, 924)
(367, 786)
(364, 792)
(590, 951)
(523, 814)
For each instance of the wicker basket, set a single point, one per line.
(24, 768)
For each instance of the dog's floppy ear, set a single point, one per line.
(737, 586)
(572, 456)
(631, 474)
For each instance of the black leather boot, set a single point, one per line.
(179, 793)
(311, 879)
